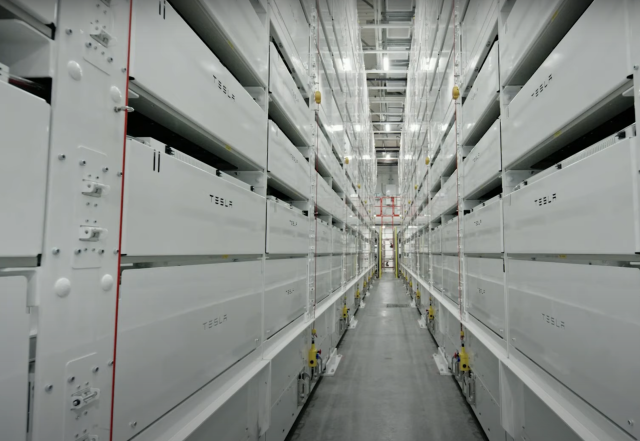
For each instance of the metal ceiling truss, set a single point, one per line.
(388, 94)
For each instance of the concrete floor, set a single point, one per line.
(387, 386)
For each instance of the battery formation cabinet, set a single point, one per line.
(521, 232)
(187, 217)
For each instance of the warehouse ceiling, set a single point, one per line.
(386, 41)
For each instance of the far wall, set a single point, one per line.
(387, 180)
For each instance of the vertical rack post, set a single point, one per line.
(313, 154)
(458, 78)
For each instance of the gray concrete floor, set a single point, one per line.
(387, 386)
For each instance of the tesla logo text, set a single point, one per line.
(221, 201)
(290, 291)
(477, 223)
(542, 86)
(216, 321)
(224, 88)
(553, 321)
(545, 200)
(482, 291)
(293, 223)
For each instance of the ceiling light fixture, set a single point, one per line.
(385, 63)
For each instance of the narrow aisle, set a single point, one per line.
(387, 386)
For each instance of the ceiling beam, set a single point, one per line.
(382, 132)
(390, 71)
(368, 4)
(389, 99)
(386, 51)
(387, 26)
(387, 113)
(387, 87)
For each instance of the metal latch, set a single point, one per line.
(84, 397)
(103, 37)
(91, 233)
(94, 189)
(127, 109)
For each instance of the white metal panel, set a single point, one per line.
(323, 237)
(485, 290)
(179, 328)
(451, 332)
(240, 416)
(483, 228)
(285, 292)
(530, 32)
(542, 423)
(287, 363)
(322, 277)
(328, 159)
(325, 195)
(287, 229)
(438, 265)
(424, 266)
(559, 93)
(339, 206)
(483, 165)
(447, 198)
(451, 277)
(45, 11)
(442, 116)
(23, 171)
(448, 79)
(444, 27)
(558, 314)
(479, 19)
(238, 33)
(26, 51)
(351, 243)
(14, 362)
(336, 272)
(424, 241)
(291, 112)
(440, 321)
(283, 413)
(450, 236)
(337, 240)
(588, 207)
(286, 164)
(488, 411)
(197, 97)
(481, 108)
(293, 33)
(172, 207)
(436, 239)
(349, 264)
(445, 161)
(444, 46)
